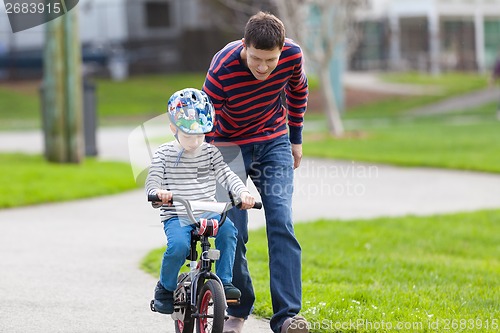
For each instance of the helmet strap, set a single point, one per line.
(182, 150)
(179, 157)
(176, 136)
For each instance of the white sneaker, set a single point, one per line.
(297, 324)
(233, 325)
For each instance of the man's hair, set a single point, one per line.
(264, 31)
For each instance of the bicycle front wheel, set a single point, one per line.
(212, 307)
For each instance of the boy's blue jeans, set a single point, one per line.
(270, 166)
(178, 234)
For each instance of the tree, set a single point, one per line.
(320, 27)
(62, 91)
(232, 15)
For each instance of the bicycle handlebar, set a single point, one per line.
(189, 210)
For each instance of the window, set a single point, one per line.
(158, 14)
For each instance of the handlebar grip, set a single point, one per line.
(237, 203)
(153, 198)
(257, 205)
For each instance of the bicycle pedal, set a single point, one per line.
(152, 305)
(234, 301)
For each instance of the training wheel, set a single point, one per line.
(152, 305)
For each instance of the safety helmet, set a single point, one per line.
(191, 111)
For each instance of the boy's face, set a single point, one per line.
(190, 142)
(261, 62)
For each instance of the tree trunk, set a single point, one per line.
(335, 126)
(74, 88)
(62, 109)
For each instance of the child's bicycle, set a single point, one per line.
(199, 297)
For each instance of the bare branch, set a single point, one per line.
(320, 27)
(232, 15)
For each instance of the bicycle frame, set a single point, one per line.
(200, 270)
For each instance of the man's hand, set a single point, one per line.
(297, 155)
(247, 200)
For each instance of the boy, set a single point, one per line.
(190, 167)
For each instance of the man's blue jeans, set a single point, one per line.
(270, 166)
(178, 234)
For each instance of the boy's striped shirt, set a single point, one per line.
(193, 176)
(249, 110)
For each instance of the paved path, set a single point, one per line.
(466, 101)
(74, 267)
(370, 81)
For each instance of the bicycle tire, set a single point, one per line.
(186, 325)
(211, 306)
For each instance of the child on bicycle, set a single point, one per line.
(189, 167)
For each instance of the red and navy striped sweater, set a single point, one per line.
(249, 110)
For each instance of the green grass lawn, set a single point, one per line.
(19, 108)
(452, 82)
(18, 104)
(141, 97)
(435, 273)
(447, 85)
(131, 101)
(463, 139)
(28, 180)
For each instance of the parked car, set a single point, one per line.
(28, 64)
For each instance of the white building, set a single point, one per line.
(105, 21)
(431, 35)
(149, 30)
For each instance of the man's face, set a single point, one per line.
(262, 62)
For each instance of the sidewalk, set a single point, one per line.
(370, 81)
(74, 267)
(458, 103)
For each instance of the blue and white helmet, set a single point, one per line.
(191, 111)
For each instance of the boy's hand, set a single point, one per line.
(247, 200)
(165, 196)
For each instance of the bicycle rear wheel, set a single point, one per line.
(211, 307)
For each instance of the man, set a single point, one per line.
(245, 82)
